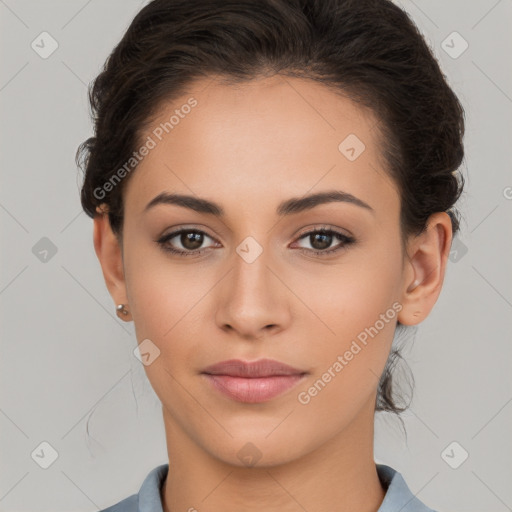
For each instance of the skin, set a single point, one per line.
(249, 147)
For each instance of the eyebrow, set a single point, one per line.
(288, 207)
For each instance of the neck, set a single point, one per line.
(340, 475)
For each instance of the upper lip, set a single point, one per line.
(251, 369)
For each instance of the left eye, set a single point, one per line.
(323, 238)
(192, 239)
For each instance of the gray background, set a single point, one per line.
(66, 360)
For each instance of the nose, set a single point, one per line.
(253, 302)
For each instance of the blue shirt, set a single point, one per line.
(398, 496)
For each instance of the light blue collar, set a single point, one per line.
(398, 497)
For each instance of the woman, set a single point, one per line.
(272, 185)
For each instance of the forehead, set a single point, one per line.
(249, 142)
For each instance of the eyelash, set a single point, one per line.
(345, 241)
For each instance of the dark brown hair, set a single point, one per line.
(367, 50)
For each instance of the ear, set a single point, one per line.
(109, 252)
(425, 265)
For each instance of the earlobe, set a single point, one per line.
(108, 251)
(426, 264)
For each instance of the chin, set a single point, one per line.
(255, 447)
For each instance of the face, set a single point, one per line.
(255, 277)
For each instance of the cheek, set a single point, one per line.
(347, 366)
(165, 305)
(352, 296)
(168, 303)
(160, 292)
(358, 306)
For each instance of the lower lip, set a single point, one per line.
(253, 390)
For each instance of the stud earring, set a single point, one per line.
(121, 311)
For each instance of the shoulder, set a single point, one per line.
(398, 495)
(148, 499)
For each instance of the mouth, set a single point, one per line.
(252, 382)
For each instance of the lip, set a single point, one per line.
(252, 381)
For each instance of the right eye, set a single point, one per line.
(190, 240)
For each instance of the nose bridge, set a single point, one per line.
(252, 298)
(251, 268)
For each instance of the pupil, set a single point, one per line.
(191, 241)
(326, 240)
